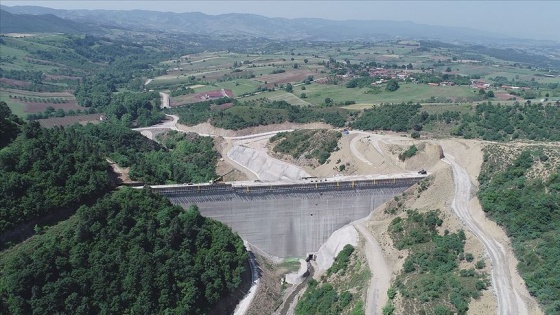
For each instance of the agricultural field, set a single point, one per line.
(65, 75)
(16, 108)
(115, 82)
(301, 74)
(69, 120)
(316, 94)
(26, 102)
(327, 69)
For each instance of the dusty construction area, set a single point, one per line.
(453, 166)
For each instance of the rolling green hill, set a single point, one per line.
(132, 252)
(45, 23)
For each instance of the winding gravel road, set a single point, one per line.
(356, 152)
(509, 300)
(164, 100)
(380, 273)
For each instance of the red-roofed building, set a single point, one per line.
(211, 95)
(479, 84)
(379, 72)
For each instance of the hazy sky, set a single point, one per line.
(523, 19)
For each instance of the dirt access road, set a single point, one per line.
(164, 100)
(380, 272)
(509, 300)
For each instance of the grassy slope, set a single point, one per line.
(316, 93)
(16, 107)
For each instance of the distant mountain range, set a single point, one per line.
(241, 25)
(27, 23)
(237, 24)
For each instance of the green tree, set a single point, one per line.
(289, 88)
(9, 125)
(131, 252)
(392, 85)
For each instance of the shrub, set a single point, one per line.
(391, 293)
(389, 309)
(480, 264)
(392, 85)
(342, 259)
(410, 152)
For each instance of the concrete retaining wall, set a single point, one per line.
(267, 168)
(293, 224)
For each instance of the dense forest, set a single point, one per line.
(45, 170)
(262, 112)
(183, 158)
(500, 122)
(131, 109)
(48, 169)
(397, 117)
(130, 253)
(10, 125)
(487, 121)
(529, 209)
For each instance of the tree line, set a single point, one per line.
(131, 252)
(255, 113)
(529, 209)
(486, 120)
(46, 170)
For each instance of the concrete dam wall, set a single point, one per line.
(287, 220)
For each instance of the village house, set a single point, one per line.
(379, 72)
(212, 95)
(479, 84)
(402, 76)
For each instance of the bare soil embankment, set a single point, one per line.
(367, 154)
(510, 289)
